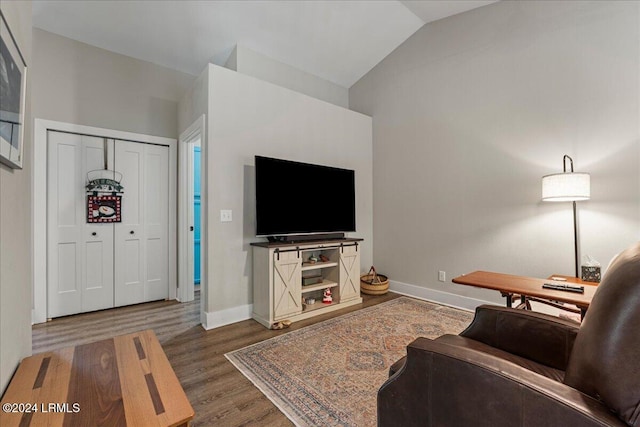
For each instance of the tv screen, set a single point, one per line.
(302, 198)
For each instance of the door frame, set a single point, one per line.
(186, 142)
(39, 202)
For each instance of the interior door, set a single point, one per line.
(196, 215)
(79, 255)
(141, 253)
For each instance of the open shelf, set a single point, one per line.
(318, 265)
(318, 286)
(317, 306)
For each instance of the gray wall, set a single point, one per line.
(470, 113)
(246, 61)
(249, 117)
(15, 222)
(77, 83)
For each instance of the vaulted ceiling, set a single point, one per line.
(339, 41)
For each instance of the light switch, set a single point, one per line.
(226, 215)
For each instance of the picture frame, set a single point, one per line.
(13, 84)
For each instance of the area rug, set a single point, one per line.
(328, 374)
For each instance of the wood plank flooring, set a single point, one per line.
(218, 392)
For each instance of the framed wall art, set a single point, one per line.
(13, 83)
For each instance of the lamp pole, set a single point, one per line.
(575, 216)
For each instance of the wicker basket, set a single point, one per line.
(373, 283)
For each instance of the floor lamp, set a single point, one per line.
(567, 187)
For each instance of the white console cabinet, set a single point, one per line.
(285, 279)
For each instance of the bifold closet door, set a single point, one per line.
(79, 254)
(142, 238)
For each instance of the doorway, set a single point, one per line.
(192, 227)
(197, 224)
(40, 265)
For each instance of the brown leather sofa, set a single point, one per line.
(519, 368)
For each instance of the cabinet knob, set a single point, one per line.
(132, 232)
(94, 234)
(191, 228)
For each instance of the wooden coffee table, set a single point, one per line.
(126, 380)
(509, 285)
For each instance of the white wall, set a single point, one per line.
(468, 115)
(249, 117)
(194, 102)
(246, 61)
(78, 83)
(192, 106)
(15, 225)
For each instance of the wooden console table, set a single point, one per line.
(121, 381)
(278, 269)
(509, 285)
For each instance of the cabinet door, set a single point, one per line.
(287, 283)
(349, 273)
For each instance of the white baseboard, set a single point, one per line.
(215, 319)
(439, 297)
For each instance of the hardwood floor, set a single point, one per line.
(218, 392)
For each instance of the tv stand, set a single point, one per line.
(305, 237)
(288, 276)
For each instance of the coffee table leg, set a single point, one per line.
(509, 298)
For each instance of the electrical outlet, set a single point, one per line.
(226, 215)
(442, 276)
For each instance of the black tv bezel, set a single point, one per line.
(335, 233)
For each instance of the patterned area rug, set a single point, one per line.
(328, 374)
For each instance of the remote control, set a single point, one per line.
(567, 288)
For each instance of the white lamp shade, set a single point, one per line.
(566, 187)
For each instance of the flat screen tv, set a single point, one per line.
(294, 198)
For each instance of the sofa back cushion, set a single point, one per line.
(605, 360)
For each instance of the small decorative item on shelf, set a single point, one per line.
(309, 301)
(324, 258)
(313, 259)
(373, 283)
(327, 298)
(590, 270)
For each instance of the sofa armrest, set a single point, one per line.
(442, 384)
(536, 336)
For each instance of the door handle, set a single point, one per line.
(94, 234)
(132, 232)
(191, 228)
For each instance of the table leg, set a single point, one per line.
(583, 312)
(509, 298)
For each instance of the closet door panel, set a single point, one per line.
(64, 229)
(156, 221)
(130, 277)
(80, 255)
(97, 256)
